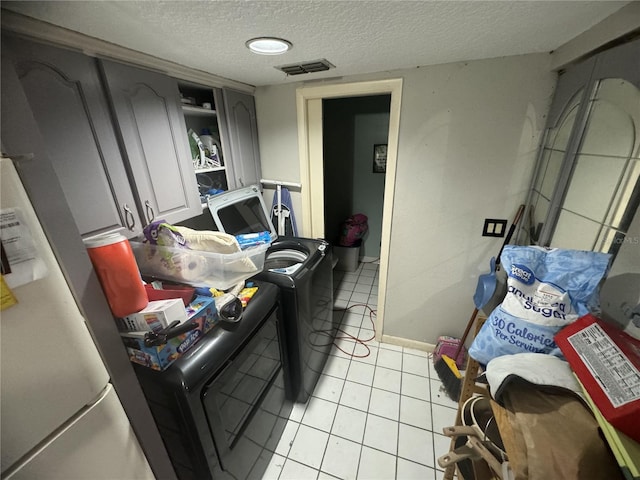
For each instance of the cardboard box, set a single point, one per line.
(155, 316)
(607, 363)
(202, 311)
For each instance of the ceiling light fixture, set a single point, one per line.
(268, 45)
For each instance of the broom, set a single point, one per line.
(445, 366)
(447, 369)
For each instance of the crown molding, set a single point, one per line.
(62, 37)
(614, 29)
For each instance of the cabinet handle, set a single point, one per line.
(241, 182)
(129, 219)
(150, 213)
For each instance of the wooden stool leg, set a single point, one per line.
(468, 389)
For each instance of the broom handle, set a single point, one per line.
(465, 334)
(507, 239)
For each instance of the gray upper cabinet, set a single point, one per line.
(242, 131)
(67, 101)
(152, 128)
(117, 137)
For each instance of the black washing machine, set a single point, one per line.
(302, 268)
(222, 407)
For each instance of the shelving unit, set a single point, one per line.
(230, 118)
(199, 119)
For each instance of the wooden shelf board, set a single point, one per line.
(198, 111)
(208, 170)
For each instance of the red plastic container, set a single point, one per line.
(118, 273)
(607, 362)
(170, 291)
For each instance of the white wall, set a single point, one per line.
(469, 132)
(278, 137)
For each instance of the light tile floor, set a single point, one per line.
(374, 417)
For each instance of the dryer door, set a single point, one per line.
(245, 403)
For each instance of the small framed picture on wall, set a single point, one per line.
(380, 158)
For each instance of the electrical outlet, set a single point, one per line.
(494, 227)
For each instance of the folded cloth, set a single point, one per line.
(544, 371)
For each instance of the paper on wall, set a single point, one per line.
(21, 263)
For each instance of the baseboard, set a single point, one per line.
(405, 342)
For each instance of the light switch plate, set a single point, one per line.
(494, 227)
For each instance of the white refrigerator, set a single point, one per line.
(60, 416)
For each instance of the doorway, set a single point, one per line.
(310, 140)
(355, 134)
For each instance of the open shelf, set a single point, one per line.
(198, 111)
(207, 170)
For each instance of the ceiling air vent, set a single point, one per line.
(306, 67)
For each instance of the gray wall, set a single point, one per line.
(338, 139)
(469, 133)
(351, 127)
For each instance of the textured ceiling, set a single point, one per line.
(357, 36)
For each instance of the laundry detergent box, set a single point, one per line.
(202, 311)
(155, 316)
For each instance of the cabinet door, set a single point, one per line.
(242, 128)
(68, 103)
(152, 128)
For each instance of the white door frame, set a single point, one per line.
(309, 106)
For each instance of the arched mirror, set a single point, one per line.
(602, 194)
(552, 156)
(587, 189)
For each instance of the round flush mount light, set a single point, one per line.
(268, 45)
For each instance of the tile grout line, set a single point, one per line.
(432, 426)
(305, 464)
(364, 431)
(332, 423)
(366, 418)
(433, 438)
(286, 457)
(430, 401)
(399, 410)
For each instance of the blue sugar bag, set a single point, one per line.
(547, 289)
